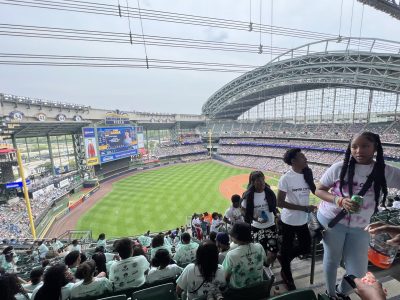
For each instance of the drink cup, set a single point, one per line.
(380, 253)
(359, 200)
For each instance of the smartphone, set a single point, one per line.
(350, 280)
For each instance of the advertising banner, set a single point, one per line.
(16, 184)
(37, 194)
(64, 183)
(89, 136)
(140, 137)
(116, 142)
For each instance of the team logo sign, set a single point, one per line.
(41, 117)
(61, 117)
(77, 118)
(16, 115)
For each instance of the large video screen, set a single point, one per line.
(116, 142)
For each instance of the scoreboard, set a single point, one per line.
(116, 142)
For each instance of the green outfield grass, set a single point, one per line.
(161, 199)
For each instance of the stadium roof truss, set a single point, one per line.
(364, 63)
(35, 129)
(388, 6)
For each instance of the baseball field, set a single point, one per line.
(163, 198)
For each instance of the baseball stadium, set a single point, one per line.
(75, 176)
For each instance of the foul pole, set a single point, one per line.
(26, 195)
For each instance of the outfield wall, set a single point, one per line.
(60, 211)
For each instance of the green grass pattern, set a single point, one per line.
(160, 199)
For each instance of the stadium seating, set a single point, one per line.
(164, 291)
(297, 295)
(116, 297)
(258, 291)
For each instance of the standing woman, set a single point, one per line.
(101, 241)
(259, 209)
(358, 174)
(294, 197)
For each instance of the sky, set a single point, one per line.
(159, 90)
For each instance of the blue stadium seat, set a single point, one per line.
(164, 292)
(297, 295)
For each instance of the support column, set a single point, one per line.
(53, 171)
(27, 150)
(322, 106)
(397, 107)
(274, 109)
(354, 105)
(334, 104)
(14, 142)
(295, 107)
(147, 141)
(75, 144)
(371, 95)
(305, 108)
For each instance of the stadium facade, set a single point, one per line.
(313, 97)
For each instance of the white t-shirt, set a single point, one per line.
(43, 250)
(97, 287)
(31, 287)
(75, 248)
(233, 215)
(297, 192)
(214, 225)
(144, 240)
(170, 271)
(109, 256)
(260, 205)
(65, 291)
(186, 253)
(245, 263)
(57, 245)
(196, 222)
(101, 243)
(362, 218)
(129, 273)
(154, 250)
(191, 279)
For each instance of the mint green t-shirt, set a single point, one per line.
(245, 264)
(186, 253)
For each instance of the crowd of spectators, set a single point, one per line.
(327, 158)
(195, 157)
(190, 139)
(389, 131)
(178, 150)
(119, 266)
(14, 221)
(390, 151)
(267, 164)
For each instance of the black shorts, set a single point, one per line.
(267, 237)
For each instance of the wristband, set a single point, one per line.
(336, 199)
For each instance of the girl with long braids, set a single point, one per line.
(205, 276)
(57, 284)
(358, 174)
(294, 197)
(259, 209)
